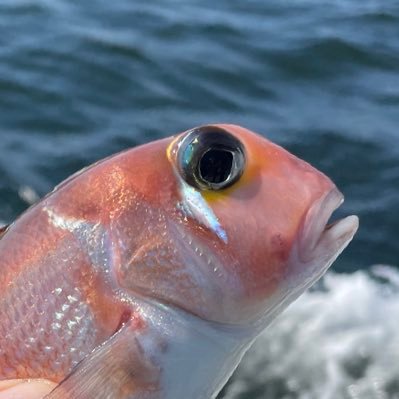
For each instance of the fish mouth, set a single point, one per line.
(321, 240)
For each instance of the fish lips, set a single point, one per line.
(320, 241)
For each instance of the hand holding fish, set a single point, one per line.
(22, 389)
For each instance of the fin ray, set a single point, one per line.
(117, 369)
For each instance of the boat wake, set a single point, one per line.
(339, 340)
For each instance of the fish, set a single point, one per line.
(149, 274)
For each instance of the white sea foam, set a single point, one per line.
(335, 343)
(28, 194)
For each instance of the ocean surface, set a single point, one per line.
(81, 80)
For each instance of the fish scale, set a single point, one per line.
(31, 328)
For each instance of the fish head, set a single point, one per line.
(231, 227)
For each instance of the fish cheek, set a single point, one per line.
(149, 262)
(156, 270)
(169, 258)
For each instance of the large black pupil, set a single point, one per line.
(215, 165)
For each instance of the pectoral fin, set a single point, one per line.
(117, 369)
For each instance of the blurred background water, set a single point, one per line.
(81, 80)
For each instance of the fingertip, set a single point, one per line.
(25, 389)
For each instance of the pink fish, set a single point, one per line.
(149, 274)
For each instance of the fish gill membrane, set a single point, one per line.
(338, 341)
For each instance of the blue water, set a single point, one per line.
(82, 80)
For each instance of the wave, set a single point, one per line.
(339, 341)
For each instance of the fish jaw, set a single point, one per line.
(319, 244)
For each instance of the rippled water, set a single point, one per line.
(81, 80)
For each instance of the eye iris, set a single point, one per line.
(215, 165)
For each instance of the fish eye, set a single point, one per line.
(210, 158)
